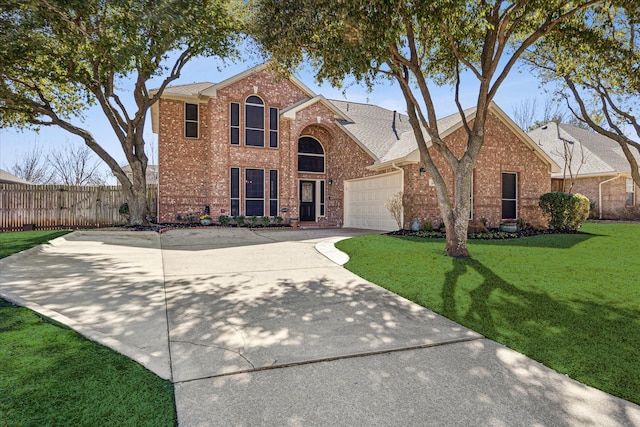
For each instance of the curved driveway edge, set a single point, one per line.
(258, 328)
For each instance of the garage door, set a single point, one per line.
(364, 201)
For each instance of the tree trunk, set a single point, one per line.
(456, 219)
(135, 193)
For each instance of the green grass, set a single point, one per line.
(52, 376)
(11, 243)
(571, 301)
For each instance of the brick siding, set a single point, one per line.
(502, 151)
(196, 172)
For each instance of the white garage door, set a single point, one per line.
(364, 201)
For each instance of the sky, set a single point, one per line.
(520, 86)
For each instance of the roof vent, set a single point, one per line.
(393, 124)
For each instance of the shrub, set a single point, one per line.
(239, 220)
(278, 219)
(567, 211)
(124, 210)
(394, 206)
(427, 226)
(224, 220)
(265, 221)
(253, 221)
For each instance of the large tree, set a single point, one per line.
(417, 44)
(59, 57)
(594, 64)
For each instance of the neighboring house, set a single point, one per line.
(7, 178)
(260, 144)
(152, 173)
(592, 165)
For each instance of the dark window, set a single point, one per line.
(273, 192)
(254, 122)
(509, 195)
(235, 123)
(191, 120)
(254, 192)
(310, 155)
(235, 191)
(273, 127)
(322, 198)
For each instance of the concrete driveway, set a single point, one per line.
(260, 328)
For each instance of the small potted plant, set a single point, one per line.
(509, 225)
(205, 219)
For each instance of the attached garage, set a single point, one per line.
(364, 201)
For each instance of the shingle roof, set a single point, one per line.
(373, 126)
(8, 178)
(190, 89)
(592, 154)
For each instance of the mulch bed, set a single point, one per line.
(161, 228)
(493, 234)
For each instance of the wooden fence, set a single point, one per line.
(47, 207)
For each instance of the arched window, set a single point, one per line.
(310, 155)
(254, 122)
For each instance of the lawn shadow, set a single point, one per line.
(559, 241)
(591, 342)
(556, 241)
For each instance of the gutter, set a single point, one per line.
(600, 193)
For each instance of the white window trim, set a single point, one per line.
(197, 121)
(264, 122)
(324, 163)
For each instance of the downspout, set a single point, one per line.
(393, 165)
(600, 193)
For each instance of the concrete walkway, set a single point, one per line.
(260, 328)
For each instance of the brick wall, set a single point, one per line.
(614, 194)
(502, 152)
(195, 173)
(183, 173)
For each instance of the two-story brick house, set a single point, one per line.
(260, 144)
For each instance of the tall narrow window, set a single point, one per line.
(322, 190)
(235, 191)
(254, 122)
(509, 195)
(235, 123)
(191, 120)
(273, 193)
(273, 127)
(631, 192)
(254, 192)
(310, 155)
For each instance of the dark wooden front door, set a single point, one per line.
(307, 200)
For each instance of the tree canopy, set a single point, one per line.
(595, 64)
(416, 44)
(62, 56)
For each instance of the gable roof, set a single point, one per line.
(9, 178)
(374, 127)
(593, 154)
(189, 90)
(384, 134)
(213, 90)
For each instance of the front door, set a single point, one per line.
(307, 200)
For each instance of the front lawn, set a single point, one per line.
(569, 301)
(11, 243)
(50, 375)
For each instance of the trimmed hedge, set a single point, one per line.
(567, 211)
